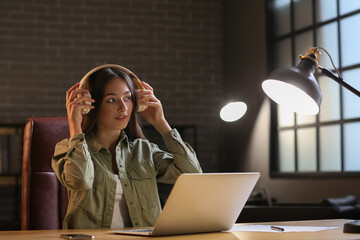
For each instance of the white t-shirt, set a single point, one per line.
(121, 216)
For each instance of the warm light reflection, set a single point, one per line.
(233, 111)
(290, 97)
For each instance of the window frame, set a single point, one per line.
(274, 128)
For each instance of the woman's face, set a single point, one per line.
(116, 106)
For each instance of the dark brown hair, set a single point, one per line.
(96, 84)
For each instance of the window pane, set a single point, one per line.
(351, 146)
(347, 6)
(327, 37)
(325, 10)
(306, 139)
(283, 54)
(305, 119)
(330, 105)
(303, 13)
(302, 43)
(351, 103)
(282, 17)
(350, 39)
(285, 117)
(286, 151)
(330, 153)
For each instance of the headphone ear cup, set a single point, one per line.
(140, 86)
(141, 108)
(86, 110)
(82, 85)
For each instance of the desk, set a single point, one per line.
(102, 234)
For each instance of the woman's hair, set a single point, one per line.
(96, 85)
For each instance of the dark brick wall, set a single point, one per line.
(175, 45)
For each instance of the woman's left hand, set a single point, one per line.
(154, 113)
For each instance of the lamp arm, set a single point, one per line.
(339, 80)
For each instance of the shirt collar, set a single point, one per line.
(123, 137)
(95, 145)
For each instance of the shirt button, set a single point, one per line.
(131, 203)
(136, 224)
(125, 185)
(120, 165)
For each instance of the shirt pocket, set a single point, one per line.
(143, 178)
(91, 203)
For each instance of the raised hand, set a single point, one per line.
(154, 114)
(75, 103)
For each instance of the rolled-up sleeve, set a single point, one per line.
(72, 163)
(180, 159)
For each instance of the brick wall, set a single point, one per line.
(175, 45)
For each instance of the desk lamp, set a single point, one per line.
(296, 88)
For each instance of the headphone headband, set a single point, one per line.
(130, 73)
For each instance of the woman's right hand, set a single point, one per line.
(74, 105)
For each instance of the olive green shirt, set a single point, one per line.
(84, 167)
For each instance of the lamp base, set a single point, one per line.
(352, 227)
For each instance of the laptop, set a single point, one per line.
(201, 203)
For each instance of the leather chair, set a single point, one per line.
(44, 200)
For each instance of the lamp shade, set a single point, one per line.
(295, 88)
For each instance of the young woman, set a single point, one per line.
(109, 169)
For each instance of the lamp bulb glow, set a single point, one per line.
(233, 111)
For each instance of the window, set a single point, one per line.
(328, 143)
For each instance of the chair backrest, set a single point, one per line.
(44, 200)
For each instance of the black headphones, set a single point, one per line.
(127, 71)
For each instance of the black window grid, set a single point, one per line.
(275, 129)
